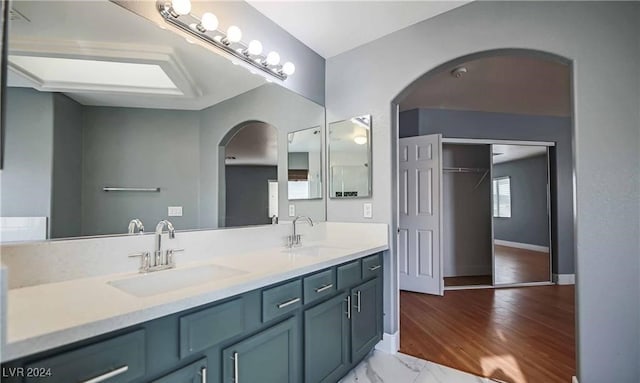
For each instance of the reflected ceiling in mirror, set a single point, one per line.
(304, 164)
(89, 38)
(99, 96)
(350, 158)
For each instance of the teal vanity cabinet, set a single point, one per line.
(327, 331)
(365, 318)
(271, 356)
(340, 332)
(195, 372)
(313, 329)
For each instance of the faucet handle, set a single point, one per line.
(170, 253)
(144, 260)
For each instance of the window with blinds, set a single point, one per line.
(501, 194)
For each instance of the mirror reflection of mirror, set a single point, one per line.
(350, 158)
(521, 220)
(110, 124)
(304, 159)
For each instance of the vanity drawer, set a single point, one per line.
(281, 299)
(319, 285)
(206, 328)
(371, 266)
(349, 275)
(120, 359)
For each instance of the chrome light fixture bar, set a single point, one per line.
(178, 14)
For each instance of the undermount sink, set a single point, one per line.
(313, 250)
(159, 282)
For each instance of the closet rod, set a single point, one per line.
(465, 170)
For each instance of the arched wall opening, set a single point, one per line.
(248, 175)
(492, 125)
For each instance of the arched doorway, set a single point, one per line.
(248, 175)
(513, 96)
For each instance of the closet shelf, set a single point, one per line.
(484, 172)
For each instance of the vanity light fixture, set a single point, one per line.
(206, 29)
(360, 140)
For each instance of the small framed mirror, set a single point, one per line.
(350, 158)
(304, 165)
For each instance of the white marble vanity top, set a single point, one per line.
(46, 316)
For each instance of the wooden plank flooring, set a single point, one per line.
(519, 265)
(468, 280)
(519, 335)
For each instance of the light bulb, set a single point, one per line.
(255, 47)
(288, 68)
(273, 58)
(209, 21)
(360, 140)
(234, 34)
(181, 7)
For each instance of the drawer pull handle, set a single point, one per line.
(348, 307)
(235, 367)
(288, 303)
(108, 375)
(324, 288)
(203, 375)
(374, 268)
(358, 300)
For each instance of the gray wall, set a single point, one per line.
(276, 106)
(66, 191)
(132, 147)
(26, 177)
(467, 212)
(298, 160)
(468, 124)
(529, 222)
(601, 40)
(247, 201)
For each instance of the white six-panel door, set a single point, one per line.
(420, 215)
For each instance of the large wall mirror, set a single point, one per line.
(304, 169)
(112, 117)
(350, 158)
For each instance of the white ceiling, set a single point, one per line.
(504, 84)
(307, 140)
(84, 25)
(334, 27)
(505, 153)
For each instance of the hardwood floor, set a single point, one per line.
(468, 280)
(518, 335)
(519, 265)
(512, 265)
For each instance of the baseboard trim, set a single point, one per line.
(390, 343)
(520, 245)
(574, 379)
(564, 279)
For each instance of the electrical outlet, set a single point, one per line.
(292, 210)
(367, 210)
(174, 211)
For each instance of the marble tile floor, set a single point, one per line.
(380, 367)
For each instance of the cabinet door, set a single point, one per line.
(326, 341)
(195, 372)
(270, 356)
(366, 317)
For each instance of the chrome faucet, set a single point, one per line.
(159, 229)
(159, 262)
(136, 224)
(295, 239)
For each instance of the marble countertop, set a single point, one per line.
(49, 315)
